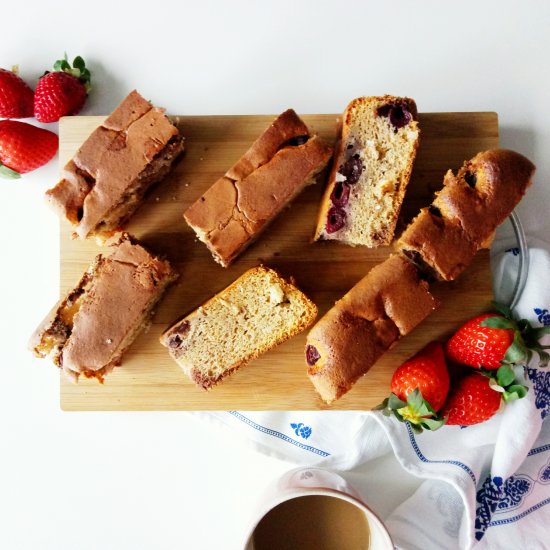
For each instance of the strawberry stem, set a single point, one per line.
(526, 337)
(506, 383)
(416, 411)
(78, 69)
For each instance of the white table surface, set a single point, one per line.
(168, 480)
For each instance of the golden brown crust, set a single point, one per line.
(112, 161)
(176, 338)
(386, 304)
(437, 246)
(231, 214)
(385, 234)
(444, 238)
(286, 126)
(91, 327)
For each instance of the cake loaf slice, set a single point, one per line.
(106, 180)
(252, 315)
(238, 206)
(444, 238)
(381, 308)
(88, 330)
(371, 171)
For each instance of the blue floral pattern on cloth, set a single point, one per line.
(541, 387)
(544, 474)
(497, 495)
(543, 316)
(514, 250)
(301, 429)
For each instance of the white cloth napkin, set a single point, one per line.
(486, 486)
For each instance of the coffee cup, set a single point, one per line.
(313, 508)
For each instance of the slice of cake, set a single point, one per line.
(381, 308)
(444, 238)
(252, 315)
(281, 162)
(372, 167)
(88, 330)
(106, 180)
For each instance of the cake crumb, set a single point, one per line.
(234, 309)
(276, 294)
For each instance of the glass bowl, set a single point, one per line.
(509, 261)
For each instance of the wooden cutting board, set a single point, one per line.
(150, 380)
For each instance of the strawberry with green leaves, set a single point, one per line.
(479, 395)
(16, 97)
(63, 91)
(495, 339)
(419, 389)
(24, 147)
(471, 401)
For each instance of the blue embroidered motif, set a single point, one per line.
(543, 316)
(497, 496)
(278, 435)
(544, 474)
(515, 489)
(515, 250)
(541, 387)
(487, 497)
(301, 430)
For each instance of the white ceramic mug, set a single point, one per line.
(316, 481)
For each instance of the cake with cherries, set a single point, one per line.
(388, 303)
(371, 170)
(444, 238)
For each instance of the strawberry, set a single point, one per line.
(16, 97)
(478, 345)
(492, 340)
(419, 388)
(471, 401)
(24, 147)
(63, 91)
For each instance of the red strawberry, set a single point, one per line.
(476, 345)
(426, 371)
(492, 340)
(419, 388)
(16, 97)
(24, 147)
(471, 401)
(63, 91)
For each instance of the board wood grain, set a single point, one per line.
(150, 380)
